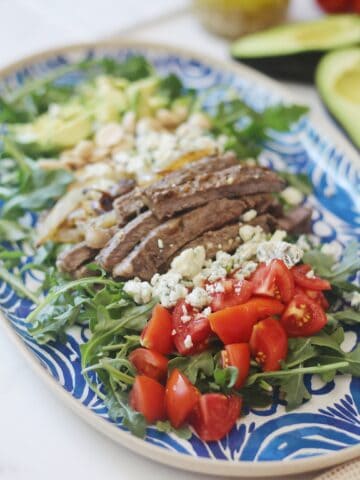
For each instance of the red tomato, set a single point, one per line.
(191, 329)
(147, 396)
(157, 333)
(356, 6)
(269, 344)
(180, 398)
(237, 355)
(333, 6)
(215, 415)
(311, 283)
(232, 292)
(303, 317)
(315, 295)
(274, 280)
(235, 324)
(149, 363)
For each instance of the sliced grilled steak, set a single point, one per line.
(188, 172)
(125, 239)
(296, 221)
(169, 237)
(232, 182)
(128, 206)
(123, 186)
(226, 238)
(71, 260)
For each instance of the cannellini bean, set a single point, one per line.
(199, 120)
(84, 149)
(167, 118)
(109, 135)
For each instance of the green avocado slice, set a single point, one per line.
(338, 82)
(292, 51)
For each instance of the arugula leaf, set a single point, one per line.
(349, 316)
(171, 87)
(294, 391)
(192, 365)
(247, 129)
(226, 377)
(281, 117)
(12, 231)
(300, 350)
(17, 284)
(118, 408)
(166, 427)
(323, 265)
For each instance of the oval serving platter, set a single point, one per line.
(268, 442)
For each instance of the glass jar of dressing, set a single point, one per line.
(233, 18)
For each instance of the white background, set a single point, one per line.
(39, 438)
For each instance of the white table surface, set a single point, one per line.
(41, 439)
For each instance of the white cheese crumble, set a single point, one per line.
(224, 259)
(249, 215)
(190, 262)
(160, 244)
(188, 342)
(206, 312)
(292, 196)
(355, 299)
(140, 292)
(310, 274)
(198, 298)
(303, 243)
(246, 270)
(290, 254)
(278, 236)
(168, 288)
(246, 232)
(214, 272)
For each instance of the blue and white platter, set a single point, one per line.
(268, 442)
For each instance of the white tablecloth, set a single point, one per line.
(40, 439)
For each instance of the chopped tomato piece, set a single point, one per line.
(150, 363)
(269, 344)
(333, 6)
(215, 415)
(157, 333)
(180, 398)
(147, 396)
(274, 280)
(191, 329)
(315, 295)
(310, 282)
(237, 355)
(229, 293)
(303, 317)
(235, 324)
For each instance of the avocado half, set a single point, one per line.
(338, 82)
(292, 51)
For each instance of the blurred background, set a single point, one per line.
(32, 25)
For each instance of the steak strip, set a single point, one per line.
(128, 206)
(125, 240)
(232, 182)
(169, 237)
(71, 260)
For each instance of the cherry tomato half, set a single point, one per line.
(228, 293)
(215, 415)
(147, 396)
(315, 295)
(180, 398)
(274, 280)
(191, 329)
(269, 344)
(235, 324)
(303, 317)
(157, 333)
(300, 273)
(149, 363)
(237, 355)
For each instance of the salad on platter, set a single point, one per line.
(146, 213)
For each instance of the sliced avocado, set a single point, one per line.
(54, 131)
(141, 95)
(338, 81)
(293, 51)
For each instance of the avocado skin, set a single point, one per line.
(297, 67)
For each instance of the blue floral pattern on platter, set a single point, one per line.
(331, 420)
